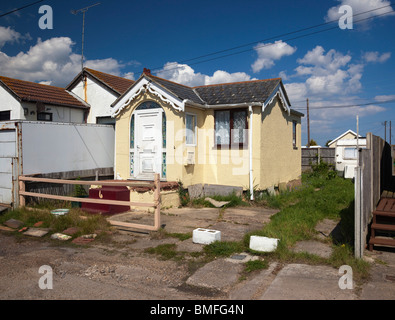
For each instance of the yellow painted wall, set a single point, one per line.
(280, 161)
(274, 159)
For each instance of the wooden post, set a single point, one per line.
(22, 201)
(308, 124)
(157, 201)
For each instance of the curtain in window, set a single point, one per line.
(190, 129)
(239, 125)
(222, 127)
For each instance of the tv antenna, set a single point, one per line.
(75, 12)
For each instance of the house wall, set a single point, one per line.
(347, 136)
(274, 159)
(99, 98)
(59, 114)
(280, 161)
(8, 102)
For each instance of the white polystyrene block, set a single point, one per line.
(263, 244)
(206, 236)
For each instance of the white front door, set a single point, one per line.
(148, 143)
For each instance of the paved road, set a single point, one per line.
(119, 273)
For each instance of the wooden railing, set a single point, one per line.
(156, 204)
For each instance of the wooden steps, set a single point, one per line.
(383, 221)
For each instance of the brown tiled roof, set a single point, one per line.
(116, 83)
(35, 92)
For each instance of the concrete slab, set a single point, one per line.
(305, 282)
(189, 246)
(314, 247)
(242, 258)
(12, 223)
(217, 204)
(217, 275)
(195, 191)
(381, 286)
(254, 286)
(4, 228)
(328, 228)
(233, 231)
(36, 232)
(257, 216)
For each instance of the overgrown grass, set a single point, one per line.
(224, 248)
(86, 224)
(322, 195)
(254, 265)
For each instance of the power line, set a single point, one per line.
(274, 37)
(345, 106)
(18, 9)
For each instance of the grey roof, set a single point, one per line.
(238, 92)
(181, 91)
(226, 93)
(220, 94)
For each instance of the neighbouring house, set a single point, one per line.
(99, 90)
(235, 134)
(349, 134)
(346, 155)
(25, 100)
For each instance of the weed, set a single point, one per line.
(180, 236)
(75, 218)
(166, 251)
(253, 265)
(183, 194)
(224, 248)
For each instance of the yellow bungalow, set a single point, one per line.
(237, 134)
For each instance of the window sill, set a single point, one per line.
(230, 147)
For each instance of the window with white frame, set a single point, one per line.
(350, 153)
(190, 120)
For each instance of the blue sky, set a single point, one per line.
(339, 67)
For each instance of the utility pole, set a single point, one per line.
(308, 124)
(385, 131)
(390, 132)
(75, 12)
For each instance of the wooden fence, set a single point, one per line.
(373, 176)
(313, 156)
(155, 184)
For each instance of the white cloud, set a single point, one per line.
(184, 74)
(297, 91)
(11, 36)
(374, 56)
(52, 61)
(359, 6)
(270, 52)
(328, 73)
(220, 76)
(385, 98)
(331, 61)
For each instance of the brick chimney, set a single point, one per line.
(147, 71)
